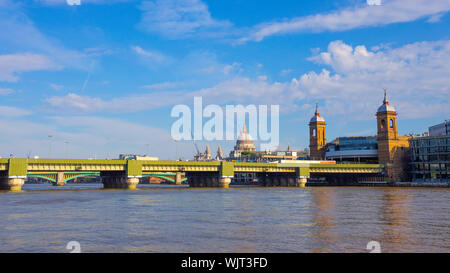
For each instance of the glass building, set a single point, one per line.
(430, 158)
(358, 149)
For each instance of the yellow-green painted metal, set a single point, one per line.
(134, 168)
(52, 176)
(20, 166)
(226, 169)
(302, 172)
(164, 175)
(17, 167)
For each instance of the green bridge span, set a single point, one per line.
(126, 173)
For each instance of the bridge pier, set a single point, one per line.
(301, 182)
(210, 180)
(282, 180)
(12, 183)
(117, 181)
(178, 178)
(59, 180)
(224, 182)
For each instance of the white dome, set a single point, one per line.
(317, 119)
(386, 108)
(245, 136)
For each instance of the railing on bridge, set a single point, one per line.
(13, 170)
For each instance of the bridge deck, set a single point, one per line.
(138, 166)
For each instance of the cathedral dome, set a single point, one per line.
(245, 141)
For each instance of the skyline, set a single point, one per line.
(83, 78)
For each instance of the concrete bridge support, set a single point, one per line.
(119, 181)
(59, 180)
(301, 182)
(210, 180)
(12, 183)
(224, 182)
(278, 180)
(178, 178)
(203, 179)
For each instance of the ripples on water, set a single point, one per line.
(173, 219)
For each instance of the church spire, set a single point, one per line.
(219, 153)
(385, 101)
(317, 109)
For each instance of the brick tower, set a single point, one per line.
(317, 136)
(392, 148)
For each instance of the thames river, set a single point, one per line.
(157, 218)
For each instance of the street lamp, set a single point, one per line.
(50, 145)
(107, 147)
(176, 150)
(67, 149)
(148, 149)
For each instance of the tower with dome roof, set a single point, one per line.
(317, 136)
(392, 148)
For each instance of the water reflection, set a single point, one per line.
(395, 211)
(168, 219)
(323, 220)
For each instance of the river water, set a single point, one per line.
(157, 218)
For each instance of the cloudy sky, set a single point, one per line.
(103, 76)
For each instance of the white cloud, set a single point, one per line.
(82, 2)
(418, 72)
(55, 86)
(13, 64)
(395, 11)
(227, 69)
(89, 139)
(152, 55)
(163, 85)
(73, 103)
(285, 72)
(6, 91)
(350, 84)
(11, 112)
(23, 36)
(237, 90)
(176, 19)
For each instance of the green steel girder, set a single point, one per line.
(67, 175)
(165, 176)
(20, 167)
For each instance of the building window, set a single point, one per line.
(391, 123)
(383, 123)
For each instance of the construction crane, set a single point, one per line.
(196, 147)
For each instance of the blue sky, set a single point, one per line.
(104, 75)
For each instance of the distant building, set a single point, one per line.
(392, 149)
(387, 148)
(136, 157)
(244, 145)
(430, 159)
(219, 155)
(206, 156)
(317, 136)
(245, 151)
(430, 155)
(442, 129)
(358, 149)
